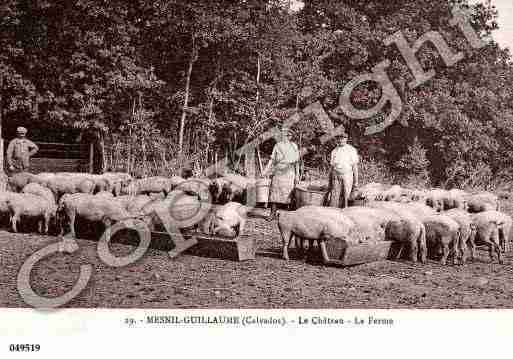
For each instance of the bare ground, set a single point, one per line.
(191, 281)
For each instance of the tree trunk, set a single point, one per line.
(234, 149)
(91, 157)
(301, 164)
(145, 164)
(259, 69)
(102, 156)
(111, 159)
(193, 59)
(196, 147)
(116, 157)
(129, 157)
(215, 162)
(210, 115)
(250, 154)
(249, 162)
(2, 174)
(163, 156)
(185, 144)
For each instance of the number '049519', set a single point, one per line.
(24, 347)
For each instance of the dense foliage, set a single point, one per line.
(154, 78)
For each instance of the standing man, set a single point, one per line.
(19, 151)
(284, 164)
(344, 172)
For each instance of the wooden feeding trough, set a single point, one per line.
(239, 249)
(339, 253)
(186, 210)
(174, 244)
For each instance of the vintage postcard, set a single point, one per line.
(243, 172)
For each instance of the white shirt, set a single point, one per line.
(343, 158)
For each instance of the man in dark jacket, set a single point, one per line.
(19, 152)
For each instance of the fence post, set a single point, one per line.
(91, 157)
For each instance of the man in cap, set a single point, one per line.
(344, 172)
(19, 151)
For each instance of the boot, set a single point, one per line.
(273, 215)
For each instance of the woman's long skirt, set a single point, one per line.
(282, 186)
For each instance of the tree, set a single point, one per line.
(206, 76)
(458, 114)
(17, 93)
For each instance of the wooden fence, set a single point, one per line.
(60, 157)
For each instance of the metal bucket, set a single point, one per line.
(262, 190)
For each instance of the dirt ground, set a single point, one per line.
(192, 281)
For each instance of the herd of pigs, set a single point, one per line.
(59, 199)
(450, 221)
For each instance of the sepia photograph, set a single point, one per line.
(256, 155)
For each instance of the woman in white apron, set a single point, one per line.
(284, 166)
